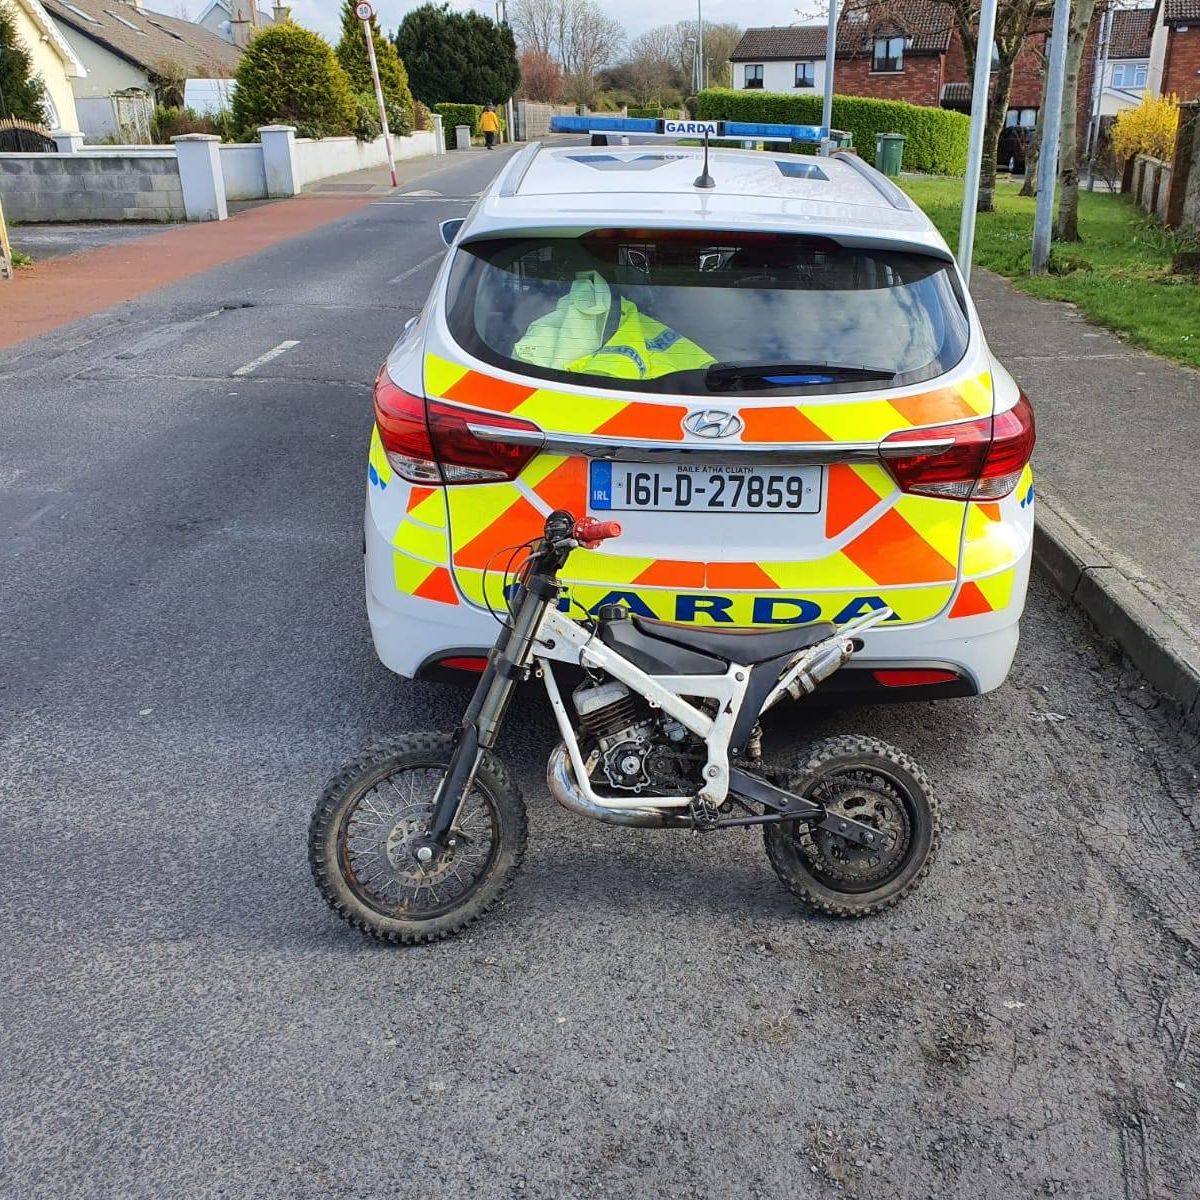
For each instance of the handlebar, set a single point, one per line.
(589, 532)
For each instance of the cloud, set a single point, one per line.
(324, 15)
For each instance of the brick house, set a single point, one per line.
(1175, 50)
(900, 50)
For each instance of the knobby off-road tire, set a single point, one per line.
(361, 829)
(872, 782)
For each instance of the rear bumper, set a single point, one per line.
(413, 636)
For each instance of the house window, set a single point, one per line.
(889, 54)
(754, 75)
(1021, 118)
(804, 75)
(1129, 75)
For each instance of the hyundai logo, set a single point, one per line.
(713, 423)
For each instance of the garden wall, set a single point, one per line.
(136, 185)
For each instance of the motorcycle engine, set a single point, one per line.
(637, 747)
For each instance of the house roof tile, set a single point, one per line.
(927, 23)
(779, 42)
(1131, 29)
(147, 39)
(1177, 11)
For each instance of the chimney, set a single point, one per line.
(243, 18)
(281, 13)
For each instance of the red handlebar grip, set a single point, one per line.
(589, 530)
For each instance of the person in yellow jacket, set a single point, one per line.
(489, 125)
(575, 336)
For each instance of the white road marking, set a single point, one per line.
(262, 359)
(422, 192)
(425, 262)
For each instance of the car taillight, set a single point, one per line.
(430, 442)
(973, 460)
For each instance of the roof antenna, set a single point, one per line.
(704, 179)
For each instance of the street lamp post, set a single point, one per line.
(700, 42)
(979, 107)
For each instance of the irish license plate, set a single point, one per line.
(687, 488)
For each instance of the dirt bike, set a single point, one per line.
(417, 838)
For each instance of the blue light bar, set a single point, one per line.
(673, 128)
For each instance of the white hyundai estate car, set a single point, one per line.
(777, 384)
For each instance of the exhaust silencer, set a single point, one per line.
(560, 779)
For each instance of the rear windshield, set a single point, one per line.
(700, 312)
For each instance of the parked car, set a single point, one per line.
(778, 384)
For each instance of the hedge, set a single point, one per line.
(653, 110)
(937, 138)
(463, 114)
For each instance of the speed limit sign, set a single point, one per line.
(363, 11)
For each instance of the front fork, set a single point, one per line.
(481, 722)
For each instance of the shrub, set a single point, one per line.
(936, 138)
(1148, 129)
(290, 76)
(169, 122)
(655, 111)
(393, 78)
(367, 126)
(421, 116)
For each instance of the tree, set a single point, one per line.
(1067, 226)
(457, 58)
(291, 76)
(1013, 22)
(719, 43)
(577, 33)
(1013, 19)
(541, 77)
(393, 78)
(653, 65)
(23, 92)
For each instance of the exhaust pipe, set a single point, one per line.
(560, 779)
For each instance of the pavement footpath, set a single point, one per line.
(1116, 475)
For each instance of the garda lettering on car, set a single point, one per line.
(691, 128)
(690, 607)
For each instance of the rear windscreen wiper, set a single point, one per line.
(727, 376)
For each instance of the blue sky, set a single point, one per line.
(636, 15)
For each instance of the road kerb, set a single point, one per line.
(1166, 653)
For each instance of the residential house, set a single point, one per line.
(1175, 49)
(236, 20)
(133, 58)
(783, 58)
(1127, 75)
(52, 58)
(896, 50)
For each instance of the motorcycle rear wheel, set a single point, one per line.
(873, 782)
(370, 819)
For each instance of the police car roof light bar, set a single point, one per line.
(668, 127)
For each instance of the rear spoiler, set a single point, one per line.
(669, 127)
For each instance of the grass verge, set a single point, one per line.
(1119, 275)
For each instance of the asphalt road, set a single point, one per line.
(184, 659)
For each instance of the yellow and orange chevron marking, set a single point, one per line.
(902, 549)
(854, 419)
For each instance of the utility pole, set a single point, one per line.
(700, 41)
(502, 19)
(830, 56)
(1043, 219)
(364, 12)
(1093, 132)
(979, 107)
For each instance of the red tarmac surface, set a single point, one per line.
(56, 292)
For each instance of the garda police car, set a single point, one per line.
(764, 365)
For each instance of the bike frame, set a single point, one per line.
(539, 634)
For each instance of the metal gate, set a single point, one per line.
(25, 137)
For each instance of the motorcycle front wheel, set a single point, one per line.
(874, 783)
(370, 821)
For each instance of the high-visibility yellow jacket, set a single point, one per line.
(571, 338)
(489, 122)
